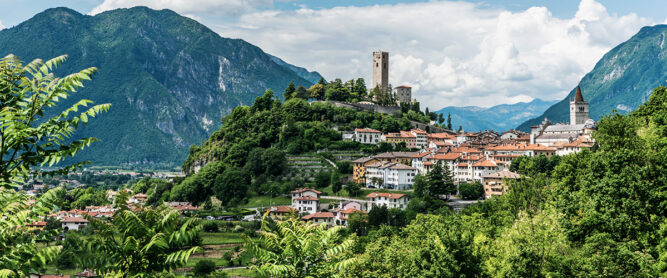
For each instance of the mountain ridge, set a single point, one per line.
(169, 78)
(621, 80)
(499, 117)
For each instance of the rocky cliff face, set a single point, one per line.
(623, 79)
(169, 78)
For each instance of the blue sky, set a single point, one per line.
(451, 52)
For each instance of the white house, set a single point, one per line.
(320, 217)
(306, 200)
(391, 200)
(73, 223)
(390, 175)
(573, 147)
(421, 138)
(367, 136)
(485, 167)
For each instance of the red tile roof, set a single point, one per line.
(282, 209)
(74, 220)
(386, 195)
(447, 156)
(367, 130)
(299, 190)
(318, 215)
(306, 198)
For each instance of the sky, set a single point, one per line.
(453, 53)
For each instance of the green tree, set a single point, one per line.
(441, 119)
(301, 93)
(471, 191)
(353, 189)
(316, 91)
(420, 186)
(144, 243)
(232, 186)
(204, 267)
(289, 91)
(440, 182)
(28, 138)
(449, 121)
(297, 249)
(378, 215)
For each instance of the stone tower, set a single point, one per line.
(380, 70)
(578, 109)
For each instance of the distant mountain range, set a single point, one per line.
(169, 78)
(499, 118)
(623, 79)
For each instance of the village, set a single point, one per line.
(483, 157)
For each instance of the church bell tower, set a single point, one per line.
(578, 109)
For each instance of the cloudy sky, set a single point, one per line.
(452, 53)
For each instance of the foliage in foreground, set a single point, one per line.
(292, 248)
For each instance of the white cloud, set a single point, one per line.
(452, 53)
(189, 7)
(1, 26)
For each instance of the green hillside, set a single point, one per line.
(623, 79)
(169, 78)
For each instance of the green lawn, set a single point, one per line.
(266, 201)
(243, 272)
(220, 238)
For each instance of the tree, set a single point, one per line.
(440, 181)
(441, 119)
(322, 179)
(289, 91)
(358, 223)
(360, 87)
(322, 81)
(353, 188)
(378, 215)
(301, 92)
(317, 91)
(20, 252)
(146, 242)
(420, 186)
(336, 183)
(449, 121)
(28, 138)
(471, 191)
(232, 186)
(204, 267)
(298, 249)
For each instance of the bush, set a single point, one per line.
(204, 267)
(210, 226)
(227, 256)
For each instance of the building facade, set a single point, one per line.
(380, 70)
(403, 94)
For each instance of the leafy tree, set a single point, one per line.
(440, 182)
(471, 191)
(353, 188)
(316, 91)
(441, 119)
(232, 186)
(449, 121)
(420, 186)
(297, 249)
(204, 267)
(322, 179)
(336, 183)
(360, 87)
(265, 102)
(289, 91)
(28, 138)
(378, 215)
(140, 243)
(322, 81)
(301, 92)
(19, 252)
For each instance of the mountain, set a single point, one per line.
(623, 79)
(499, 118)
(311, 76)
(169, 79)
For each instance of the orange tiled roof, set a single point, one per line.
(318, 215)
(299, 190)
(368, 130)
(282, 209)
(447, 156)
(386, 195)
(306, 198)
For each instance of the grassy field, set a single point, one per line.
(240, 272)
(267, 201)
(220, 238)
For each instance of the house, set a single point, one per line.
(86, 274)
(138, 198)
(359, 168)
(281, 211)
(442, 137)
(367, 135)
(73, 223)
(573, 147)
(341, 216)
(418, 161)
(37, 225)
(421, 138)
(494, 183)
(390, 175)
(484, 167)
(306, 200)
(391, 200)
(512, 134)
(320, 217)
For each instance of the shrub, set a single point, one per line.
(471, 191)
(204, 267)
(227, 256)
(210, 226)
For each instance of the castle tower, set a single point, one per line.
(380, 70)
(578, 109)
